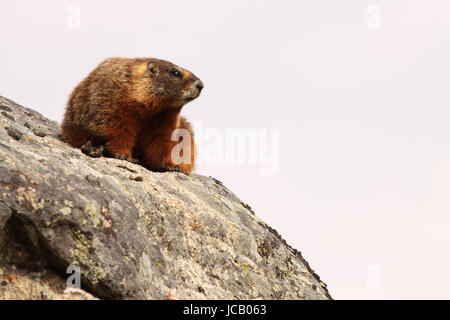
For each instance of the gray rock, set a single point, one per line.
(134, 233)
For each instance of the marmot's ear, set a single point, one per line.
(153, 69)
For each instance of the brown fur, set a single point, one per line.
(132, 105)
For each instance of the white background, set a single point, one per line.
(362, 109)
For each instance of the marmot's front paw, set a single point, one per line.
(91, 151)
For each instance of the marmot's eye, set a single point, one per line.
(176, 73)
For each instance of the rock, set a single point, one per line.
(134, 234)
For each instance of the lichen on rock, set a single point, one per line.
(146, 236)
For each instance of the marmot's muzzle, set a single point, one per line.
(195, 89)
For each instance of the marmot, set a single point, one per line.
(132, 106)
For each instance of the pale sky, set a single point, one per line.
(357, 91)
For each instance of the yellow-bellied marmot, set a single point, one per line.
(132, 105)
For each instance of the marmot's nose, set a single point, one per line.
(199, 84)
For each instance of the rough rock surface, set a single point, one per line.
(135, 234)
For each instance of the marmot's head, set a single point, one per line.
(163, 83)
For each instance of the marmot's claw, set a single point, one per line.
(91, 151)
(133, 160)
(124, 157)
(174, 169)
(120, 156)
